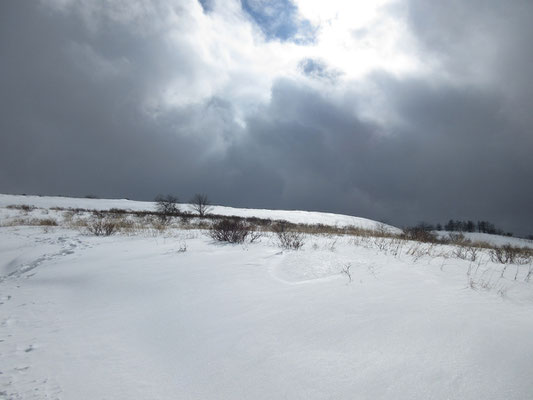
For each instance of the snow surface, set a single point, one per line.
(133, 317)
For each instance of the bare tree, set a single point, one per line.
(167, 206)
(201, 204)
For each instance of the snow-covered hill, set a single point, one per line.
(493, 240)
(175, 315)
(306, 217)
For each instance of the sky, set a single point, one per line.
(397, 110)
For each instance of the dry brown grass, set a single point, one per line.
(31, 222)
(22, 207)
(132, 222)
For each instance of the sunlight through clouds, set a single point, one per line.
(358, 37)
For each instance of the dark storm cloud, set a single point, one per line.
(67, 130)
(481, 39)
(456, 156)
(74, 121)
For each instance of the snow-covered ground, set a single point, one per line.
(176, 315)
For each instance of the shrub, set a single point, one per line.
(47, 222)
(289, 240)
(186, 217)
(420, 235)
(458, 238)
(118, 211)
(167, 206)
(255, 235)
(102, 227)
(467, 252)
(508, 254)
(23, 207)
(230, 230)
(346, 270)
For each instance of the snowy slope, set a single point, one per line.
(307, 217)
(136, 317)
(494, 240)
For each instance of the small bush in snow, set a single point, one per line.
(47, 222)
(346, 270)
(23, 207)
(469, 253)
(230, 230)
(255, 236)
(185, 217)
(289, 240)
(102, 227)
(508, 254)
(458, 238)
(420, 235)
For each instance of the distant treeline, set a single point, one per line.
(465, 226)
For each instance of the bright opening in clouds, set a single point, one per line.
(399, 110)
(358, 37)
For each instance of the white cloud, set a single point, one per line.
(223, 54)
(358, 37)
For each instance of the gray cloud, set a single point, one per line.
(485, 41)
(77, 119)
(456, 156)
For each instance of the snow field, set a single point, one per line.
(135, 316)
